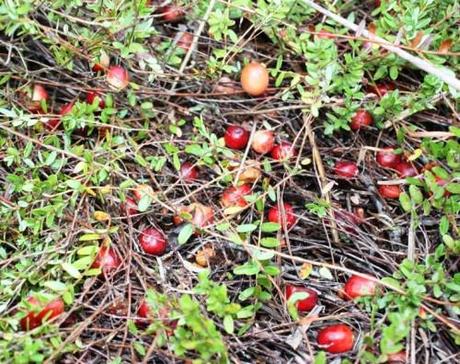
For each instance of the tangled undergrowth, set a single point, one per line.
(113, 115)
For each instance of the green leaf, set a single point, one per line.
(246, 228)
(269, 242)
(55, 286)
(405, 201)
(71, 270)
(87, 250)
(320, 358)
(325, 273)
(270, 227)
(185, 234)
(144, 202)
(139, 348)
(391, 281)
(453, 188)
(228, 324)
(272, 270)
(415, 194)
(443, 225)
(248, 269)
(90, 237)
(83, 263)
(261, 255)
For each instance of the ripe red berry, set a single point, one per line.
(263, 141)
(236, 137)
(185, 41)
(67, 108)
(37, 95)
(49, 311)
(91, 96)
(362, 118)
(346, 169)
(152, 241)
(172, 13)
(254, 79)
(358, 286)
(117, 77)
(234, 196)
(130, 207)
(336, 338)
(442, 182)
(188, 172)
(143, 190)
(377, 3)
(305, 304)
(389, 191)
(144, 309)
(147, 316)
(201, 215)
(387, 158)
(107, 260)
(406, 170)
(382, 88)
(54, 123)
(347, 220)
(102, 63)
(276, 215)
(284, 150)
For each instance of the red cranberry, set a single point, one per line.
(91, 96)
(147, 316)
(102, 63)
(188, 172)
(107, 260)
(143, 190)
(442, 182)
(284, 150)
(172, 13)
(130, 207)
(276, 215)
(305, 304)
(387, 158)
(349, 221)
(263, 141)
(37, 95)
(382, 88)
(254, 79)
(362, 118)
(406, 170)
(202, 215)
(53, 124)
(152, 241)
(117, 77)
(234, 196)
(33, 319)
(390, 191)
(346, 169)
(336, 338)
(185, 41)
(236, 137)
(358, 286)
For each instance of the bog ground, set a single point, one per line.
(229, 181)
